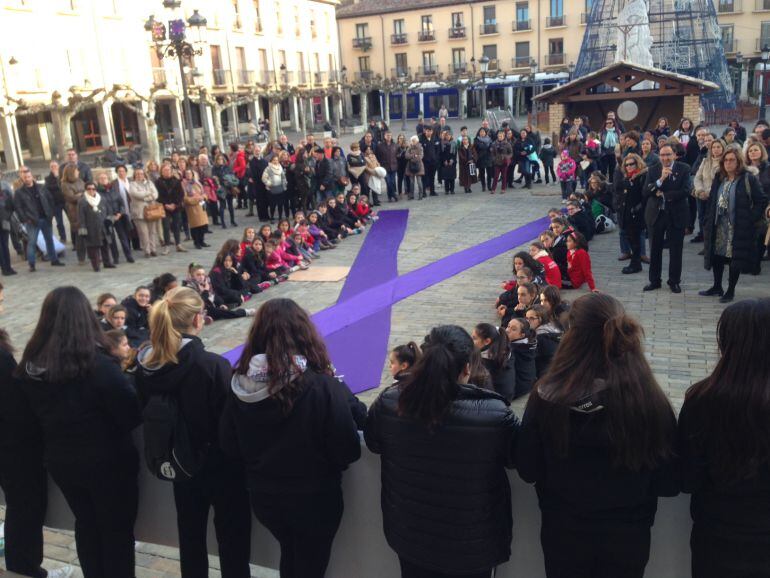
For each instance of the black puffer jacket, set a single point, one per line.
(137, 325)
(524, 353)
(446, 500)
(503, 378)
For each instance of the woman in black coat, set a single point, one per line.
(496, 357)
(448, 160)
(445, 444)
(629, 207)
(559, 250)
(724, 436)
(137, 312)
(598, 441)
(756, 156)
(736, 203)
(176, 365)
(523, 345)
(292, 423)
(87, 410)
(483, 144)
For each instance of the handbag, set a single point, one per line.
(154, 212)
(472, 169)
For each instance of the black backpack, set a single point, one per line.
(168, 450)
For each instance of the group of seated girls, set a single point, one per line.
(508, 359)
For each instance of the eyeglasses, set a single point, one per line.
(629, 165)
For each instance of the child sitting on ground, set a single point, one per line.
(198, 281)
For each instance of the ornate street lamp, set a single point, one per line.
(172, 42)
(765, 58)
(571, 69)
(484, 65)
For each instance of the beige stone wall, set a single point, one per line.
(692, 108)
(556, 112)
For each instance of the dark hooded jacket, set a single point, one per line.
(300, 452)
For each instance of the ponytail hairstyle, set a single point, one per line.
(640, 422)
(498, 351)
(432, 384)
(479, 375)
(409, 353)
(160, 283)
(169, 317)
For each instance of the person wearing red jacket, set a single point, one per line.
(239, 164)
(578, 262)
(550, 268)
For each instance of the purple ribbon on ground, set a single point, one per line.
(357, 327)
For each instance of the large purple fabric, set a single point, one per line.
(357, 327)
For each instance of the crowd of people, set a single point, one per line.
(273, 435)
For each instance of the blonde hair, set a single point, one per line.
(169, 317)
(762, 150)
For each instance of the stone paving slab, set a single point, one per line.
(680, 329)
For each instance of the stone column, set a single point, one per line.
(106, 130)
(346, 104)
(421, 99)
(62, 125)
(148, 130)
(509, 98)
(386, 107)
(309, 115)
(365, 108)
(744, 84)
(463, 92)
(9, 134)
(294, 115)
(177, 121)
(327, 110)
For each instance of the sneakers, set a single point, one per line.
(57, 263)
(250, 312)
(180, 249)
(265, 285)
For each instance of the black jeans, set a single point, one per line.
(605, 551)
(304, 525)
(280, 202)
(728, 556)
(121, 235)
(548, 170)
(172, 223)
(485, 177)
(718, 264)
(675, 237)
(198, 235)
(429, 178)
(227, 202)
(607, 164)
(410, 570)
(58, 215)
(633, 230)
(104, 499)
(25, 485)
(5, 253)
(223, 487)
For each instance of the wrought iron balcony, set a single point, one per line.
(457, 32)
(399, 38)
(362, 42)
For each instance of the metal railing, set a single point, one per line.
(729, 45)
(520, 61)
(245, 77)
(364, 74)
(319, 77)
(431, 70)
(554, 21)
(265, 76)
(220, 76)
(362, 42)
(400, 71)
(761, 42)
(521, 25)
(399, 38)
(457, 32)
(286, 76)
(426, 36)
(487, 29)
(159, 76)
(555, 59)
(458, 67)
(303, 77)
(335, 76)
(762, 5)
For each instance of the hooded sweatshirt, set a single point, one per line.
(199, 380)
(299, 451)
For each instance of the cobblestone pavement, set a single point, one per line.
(680, 329)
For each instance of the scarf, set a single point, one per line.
(610, 138)
(93, 201)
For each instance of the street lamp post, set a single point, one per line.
(172, 42)
(765, 58)
(533, 77)
(484, 64)
(571, 70)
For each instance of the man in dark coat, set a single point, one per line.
(118, 207)
(666, 213)
(83, 168)
(34, 207)
(257, 166)
(324, 176)
(431, 150)
(387, 156)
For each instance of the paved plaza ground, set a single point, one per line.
(680, 329)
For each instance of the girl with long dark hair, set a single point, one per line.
(175, 364)
(724, 446)
(597, 440)
(402, 358)
(87, 409)
(433, 429)
(492, 343)
(292, 422)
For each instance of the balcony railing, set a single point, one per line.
(319, 77)
(245, 77)
(729, 45)
(362, 42)
(431, 70)
(520, 61)
(335, 76)
(159, 76)
(265, 76)
(426, 36)
(456, 32)
(762, 41)
(487, 29)
(520, 25)
(286, 77)
(458, 67)
(728, 7)
(555, 59)
(220, 76)
(554, 21)
(303, 77)
(399, 38)
(762, 5)
(400, 71)
(364, 75)
(584, 16)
